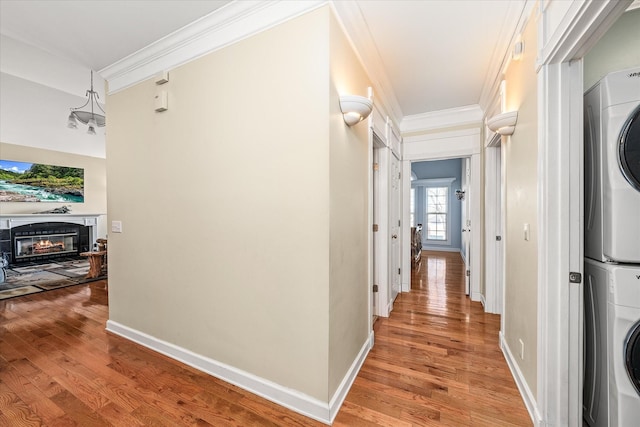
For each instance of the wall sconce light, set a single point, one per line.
(504, 124)
(460, 194)
(355, 108)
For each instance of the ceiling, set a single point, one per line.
(432, 55)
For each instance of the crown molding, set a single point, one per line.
(580, 28)
(357, 31)
(512, 27)
(231, 23)
(452, 117)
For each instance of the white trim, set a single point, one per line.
(287, 397)
(345, 385)
(7, 222)
(406, 231)
(357, 31)
(229, 24)
(470, 115)
(560, 119)
(483, 301)
(521, 383)
(432, 182)
(442, 145)
(579, 29)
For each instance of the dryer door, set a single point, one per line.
(632, 355)
(629, 149)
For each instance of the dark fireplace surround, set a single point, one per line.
(39, 240)
(43, 242)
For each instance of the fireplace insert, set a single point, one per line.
(42, 242)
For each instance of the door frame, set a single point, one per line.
(494, 226)
(567, 30)
(442, 146)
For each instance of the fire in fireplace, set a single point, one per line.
(27, 246)
(44, 245)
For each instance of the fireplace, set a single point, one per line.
(44, 238)
(46, 241)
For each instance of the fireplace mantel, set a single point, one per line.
(7, 222)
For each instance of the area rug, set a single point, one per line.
(29, 279)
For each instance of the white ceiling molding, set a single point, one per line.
(227, 25)
(573, 36)
(442, 145)
(460, 116)
(513, 25)
(353, 24)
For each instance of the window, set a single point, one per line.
(437, 213)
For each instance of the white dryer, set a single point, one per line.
(611, 391)
(612, 168)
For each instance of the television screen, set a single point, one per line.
(35, 182)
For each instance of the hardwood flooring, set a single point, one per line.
(435, 361)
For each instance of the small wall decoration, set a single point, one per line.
(35, 182)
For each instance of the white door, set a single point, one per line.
(375, 221)
(395, 212)
(466, 223)
(498, 303)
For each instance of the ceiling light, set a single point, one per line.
(355, 108)
(89, 116)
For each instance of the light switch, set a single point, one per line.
(526, 232)
(116, 226)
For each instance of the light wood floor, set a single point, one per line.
(436, 361)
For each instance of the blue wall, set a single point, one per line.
(442, 169)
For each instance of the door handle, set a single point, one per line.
(394, 236)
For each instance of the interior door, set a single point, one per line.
(466, 223)
(395, 211)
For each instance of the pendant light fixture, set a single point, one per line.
(88, 116)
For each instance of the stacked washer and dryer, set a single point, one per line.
(612, 251)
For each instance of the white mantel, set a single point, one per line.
(7, 222)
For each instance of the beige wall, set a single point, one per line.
(521, 260)
(95, 181)
(617, 50)
(349, 202)
(231, 220)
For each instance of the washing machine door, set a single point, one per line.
(632, 356)
(629, 149)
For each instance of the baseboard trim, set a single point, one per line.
(521, 383)
(341, 393)
(483, 301)
(289, 398)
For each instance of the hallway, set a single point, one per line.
(435, 361)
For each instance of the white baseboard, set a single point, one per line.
(289, 398)
(483, 301)
(406, 287)
(341, 393)
(523, 387)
